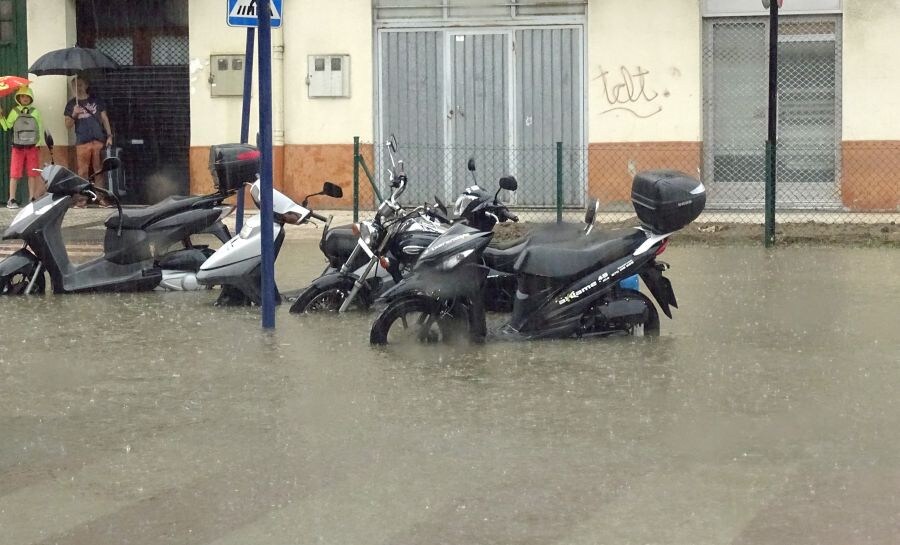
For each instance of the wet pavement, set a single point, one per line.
(766, 413)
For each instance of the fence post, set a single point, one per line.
(559, 182)
(355, 179)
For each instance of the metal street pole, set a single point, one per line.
(267, 287)
(772, 142)
(245, 117)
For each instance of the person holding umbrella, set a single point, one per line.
(86, 113)
(27, 137)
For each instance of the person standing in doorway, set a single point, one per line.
(86, 113)
(27, 136)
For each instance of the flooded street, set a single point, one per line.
(768, 412)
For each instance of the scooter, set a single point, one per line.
(563, 290)
(236, 266)
(135, 248)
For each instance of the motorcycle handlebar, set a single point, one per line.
(317, 216)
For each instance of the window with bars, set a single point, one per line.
(475, 9)
(7, 22)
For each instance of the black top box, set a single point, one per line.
(667, 200)
(233, 165)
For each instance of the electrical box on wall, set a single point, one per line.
(328, 76)
(226, 75)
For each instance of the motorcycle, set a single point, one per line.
(136, 254)
(392, 241)
(236, 266)
(563, 290)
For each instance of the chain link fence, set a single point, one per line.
(819, 195)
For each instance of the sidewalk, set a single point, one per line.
(83, 228)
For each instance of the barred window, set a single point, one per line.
(7, 21)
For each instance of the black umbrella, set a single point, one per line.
(72, 61)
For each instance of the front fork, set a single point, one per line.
(358, 283)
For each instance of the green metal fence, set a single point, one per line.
(859, 188)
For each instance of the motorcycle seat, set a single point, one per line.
(563, 260)
(138, 218)
(503, 256)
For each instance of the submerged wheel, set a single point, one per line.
(328, 299)
(650, 326)
(412, 321)
(635, 322)
(17, 282)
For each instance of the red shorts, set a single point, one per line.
(23, 162)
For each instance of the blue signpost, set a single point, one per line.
(245, 13)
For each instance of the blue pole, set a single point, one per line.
(265, 139)
(245, 117)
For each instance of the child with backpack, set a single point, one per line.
(27, 137)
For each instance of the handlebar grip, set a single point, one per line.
(317, 216)
(512, 216)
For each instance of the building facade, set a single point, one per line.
(623, 85)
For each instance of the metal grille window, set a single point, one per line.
(119, 48)
(169, 50)
(473, 9)
(7, 22)
(735, 111)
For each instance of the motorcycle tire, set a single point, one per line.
(438, 329)
(327, 299)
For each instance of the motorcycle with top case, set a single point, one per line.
(564, 290)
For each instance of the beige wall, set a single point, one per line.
(320, 27)
(871, 81)
(50, 25)
(643, 71)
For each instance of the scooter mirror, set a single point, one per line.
(509, 183)
(110, 163)
(392, 143)
(471, 164)
(590, 213)
(48, 140)
(332, 190)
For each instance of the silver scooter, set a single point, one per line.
(236, 266)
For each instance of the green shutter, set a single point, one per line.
(13, 62)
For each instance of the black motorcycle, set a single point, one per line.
(386, 247)
(569, 289)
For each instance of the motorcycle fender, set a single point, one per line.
(660, 287)
(23, 260)
(466, 281)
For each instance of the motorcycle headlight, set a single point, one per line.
(450, 262)
(462, 202)
(369, 233)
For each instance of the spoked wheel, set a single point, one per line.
(327, 301)
(17, 282)
(413, 321)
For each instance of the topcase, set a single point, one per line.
(667, 200)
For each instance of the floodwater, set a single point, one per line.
(768, 412)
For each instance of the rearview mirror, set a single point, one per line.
(48, 140)
(332, 190)
(392, 143)
(471, 164)
(509, 183)
(590, 213)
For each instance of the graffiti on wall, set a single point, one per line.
(628, 91)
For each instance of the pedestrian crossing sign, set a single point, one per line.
(243, 12)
